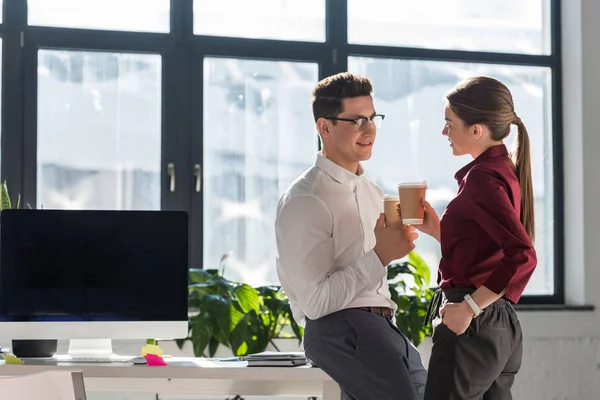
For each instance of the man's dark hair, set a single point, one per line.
(329, 92)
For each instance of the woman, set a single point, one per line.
(486, 235)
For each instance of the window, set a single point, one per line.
(204, 106)
(510, 26)
(99, 137)
(415, 52)
(411, 95)
(127, 15)
(265, 19)
(256, 142)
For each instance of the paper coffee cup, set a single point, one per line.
(390, 209)
(411, 195)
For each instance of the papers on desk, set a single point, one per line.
(276, 359)
(153, 355)
(233, 362)
(10, 359)
(6, 357)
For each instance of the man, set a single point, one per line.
(333, 249)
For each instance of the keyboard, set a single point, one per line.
(95, 360)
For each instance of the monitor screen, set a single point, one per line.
(68, 265)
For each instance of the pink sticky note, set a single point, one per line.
(155, 361)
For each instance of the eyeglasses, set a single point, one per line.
(362, 123)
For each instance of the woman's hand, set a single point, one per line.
(431, 221)
(457, 316)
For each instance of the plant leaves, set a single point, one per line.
(199, 275)
(213, 345)
(248, 298)
(246, 318)
(415, 324)
(403, 302)
(199, 290)
(394, 295)
(219, 309)
(401, 323)
(298, 330)
(421, 268)
(242, 350)
(268, 292)
(194, 302)
(239, 335)
(4, 198)
(180, 343)
(393, 270)
(409, 289)
(215, 286)
(235, 315)
(201, 333)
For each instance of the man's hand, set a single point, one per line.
(457, 316)
(393, 242)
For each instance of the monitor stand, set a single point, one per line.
(27, 348)
(91, 348)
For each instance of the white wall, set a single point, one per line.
(562, 348)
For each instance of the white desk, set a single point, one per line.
(189, 376)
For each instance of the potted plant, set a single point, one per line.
(246, 319)
(235, 315)
(409, 287)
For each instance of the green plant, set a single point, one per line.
(247, 319)
(5, 202)
(235, 315)
(409, 288)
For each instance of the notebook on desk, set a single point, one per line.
(276, 359)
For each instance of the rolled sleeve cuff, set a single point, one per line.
(498, 280)
(371, 268)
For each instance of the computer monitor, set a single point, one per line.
(96, 275)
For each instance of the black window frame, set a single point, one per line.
(182, 53)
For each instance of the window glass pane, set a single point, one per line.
(1, 12)
(511, 26)
(99, 130)
(259, 135)
(410, 145)
(265, 19)
(123, 15)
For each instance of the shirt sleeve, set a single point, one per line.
(491, 208)
(305, 245)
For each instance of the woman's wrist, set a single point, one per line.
(467, 308)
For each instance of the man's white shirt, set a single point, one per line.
(325, 238)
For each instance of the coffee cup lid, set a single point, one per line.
(409, 185)
(390, 197)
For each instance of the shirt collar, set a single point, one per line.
(340, 174)
(497, 151)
